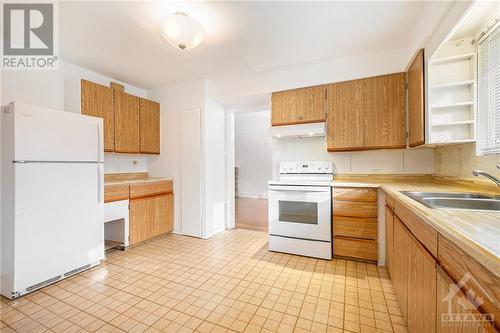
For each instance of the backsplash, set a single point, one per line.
(460, 160)
(123, 163)
(389, 161)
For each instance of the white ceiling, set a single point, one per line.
(122, 39)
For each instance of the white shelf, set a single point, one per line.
(460, 57)
(453, 84)
(454, 123)
(442, 143)
(451, 105)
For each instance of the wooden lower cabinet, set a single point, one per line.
(401, 264)
(421, 296)
(389, 239)
(355, 224)
(365, 249)
(424, 283)
(414, 278)
(453, 306)
(150, 217)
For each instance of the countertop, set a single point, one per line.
(475, 232)
(134, 181)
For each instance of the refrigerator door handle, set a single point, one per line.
(99, 143)
(99, 185)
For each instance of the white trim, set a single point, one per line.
(230, 162)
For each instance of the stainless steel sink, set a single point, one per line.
(463, 201)
(414, 195)
(472, 204)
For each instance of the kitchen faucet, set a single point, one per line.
(494, 179)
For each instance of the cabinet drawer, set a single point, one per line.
(355, 248)
(355, 209)
(355, 194)
(146, 189)
(116, 192)
(365, 228)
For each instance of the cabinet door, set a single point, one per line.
(139, 217)
(384, 111)
(166, 213)
(421, 308)
(389, 240)
(451, 303)
(298, 106)
(149, 127)
(97, 101)
(150, 217)
(416, 98)
(126, 122)
(401, 258)
(345, 130)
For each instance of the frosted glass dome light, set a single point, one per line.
(181, 31)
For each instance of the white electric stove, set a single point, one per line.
(300, 209)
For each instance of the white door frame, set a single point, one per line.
(230, 159)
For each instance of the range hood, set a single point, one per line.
(298, 131)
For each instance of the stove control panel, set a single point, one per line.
(316, 167)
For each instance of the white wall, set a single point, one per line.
(390, 161)
(125, 163)
(253, 149)
(46, 88)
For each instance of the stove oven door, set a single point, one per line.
(302, 212)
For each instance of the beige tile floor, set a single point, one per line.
(229, 283)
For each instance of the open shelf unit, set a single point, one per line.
(452, 94)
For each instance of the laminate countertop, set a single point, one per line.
(475, 232)
(134, 181)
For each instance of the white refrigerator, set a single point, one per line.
(52, 196)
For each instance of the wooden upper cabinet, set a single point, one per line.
(366, 114)
(416, 101)
(126, 108)
(298, 106)
(149, 127)
(384, 111)
(97, 101)
(345, 116)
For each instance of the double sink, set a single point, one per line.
(461, 201)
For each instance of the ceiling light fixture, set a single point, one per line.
(182, 31)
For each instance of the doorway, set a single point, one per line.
(253, 168)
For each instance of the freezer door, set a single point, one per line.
(59, 215)
(43, 134)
